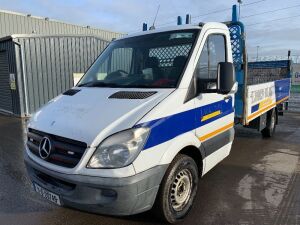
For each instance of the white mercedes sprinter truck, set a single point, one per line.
(152, 115)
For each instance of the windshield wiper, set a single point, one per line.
(112, 85)
(98, 84)
(138, 86)
(146, 86)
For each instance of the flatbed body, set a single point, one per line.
(262, 85)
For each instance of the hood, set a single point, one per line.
(91, 114)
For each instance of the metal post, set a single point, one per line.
(145, 27)
(240, 2)
(245, 89)
(179, 20)
(289, 63)
(234, 14)
(188, 19)
(257, 47)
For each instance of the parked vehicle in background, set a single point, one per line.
(153, 114)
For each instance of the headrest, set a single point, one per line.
(179, 61)
(152, 62)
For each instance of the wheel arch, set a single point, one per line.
(196, 154)
(193, 148)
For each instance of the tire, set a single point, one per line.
(178, 190)
(271, 125)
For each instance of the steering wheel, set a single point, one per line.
(121, 71)
(116, 74)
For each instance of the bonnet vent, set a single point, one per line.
(71, 92)
(132, 94)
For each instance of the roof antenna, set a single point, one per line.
(153, 25)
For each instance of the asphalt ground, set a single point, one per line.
(258, 183)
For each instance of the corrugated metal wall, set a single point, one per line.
(121, 59)
(12, 96)
(44, 66)
(16, 23)
(50, 62)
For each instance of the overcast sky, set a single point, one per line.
(274, 38)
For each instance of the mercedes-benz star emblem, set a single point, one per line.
(45, 148)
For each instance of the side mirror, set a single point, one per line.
(226, 77)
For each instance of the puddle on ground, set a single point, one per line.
(266, 187)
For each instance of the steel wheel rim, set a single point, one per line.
(181, 189)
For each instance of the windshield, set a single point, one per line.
(147, 61)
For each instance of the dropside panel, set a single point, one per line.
(260, 98)
(282, 89)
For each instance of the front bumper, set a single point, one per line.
(111, 196)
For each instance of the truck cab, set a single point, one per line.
(151, 116)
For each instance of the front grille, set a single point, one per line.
(65, 152)
(53, 181)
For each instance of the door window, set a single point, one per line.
(213, 52)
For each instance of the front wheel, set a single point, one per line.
(178, 189)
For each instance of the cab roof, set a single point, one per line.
(178, 27)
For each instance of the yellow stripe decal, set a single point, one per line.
(265, 103)
(214, 133)
(211, 115)
(259, 112)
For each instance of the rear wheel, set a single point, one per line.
(178, 189)
(271, 124)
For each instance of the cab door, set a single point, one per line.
(214, 112)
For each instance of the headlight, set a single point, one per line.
(120, 149)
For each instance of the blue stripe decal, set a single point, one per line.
(167, 128)
(254, 108)
(282, 88)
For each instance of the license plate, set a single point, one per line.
(47, 194)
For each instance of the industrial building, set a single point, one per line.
(37, 68)
(18, 23)
(40, 58)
